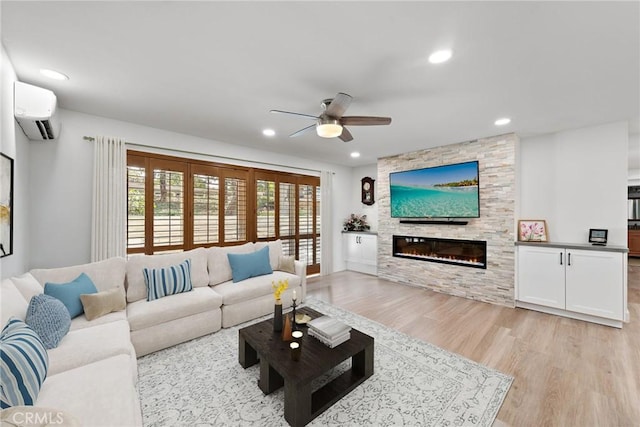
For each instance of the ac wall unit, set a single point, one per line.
(35, 111)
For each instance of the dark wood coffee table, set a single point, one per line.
(301, 405)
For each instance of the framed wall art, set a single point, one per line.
(532, 230)
(6, 205)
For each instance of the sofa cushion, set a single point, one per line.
(143, 314)
(82, 322)
(28, 286)
(23, 364)
(248, 265)
(253, 287)
(88, 345)
(136, 288)
(218, 262)
(104, 274)
(69, 293)
(161, 282)
(275, 251)
(98, 394)
(49, 318)
(12, 303)
(101, 303)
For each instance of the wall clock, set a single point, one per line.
(367, 190)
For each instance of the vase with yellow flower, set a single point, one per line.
(278, 289)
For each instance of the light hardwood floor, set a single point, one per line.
(567, 372)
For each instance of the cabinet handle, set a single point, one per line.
(560, 258)
(569, 258)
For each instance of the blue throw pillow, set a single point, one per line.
(23, 366)
(49, 318)
(69, 293)
(248, 265)
(162, 282)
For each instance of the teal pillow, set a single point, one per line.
(23, 366)
(49, 318)
(248, 265)
(69, 293)
(162, 282)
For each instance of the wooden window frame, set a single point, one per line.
(189, 167)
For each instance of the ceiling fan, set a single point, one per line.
(331, 122)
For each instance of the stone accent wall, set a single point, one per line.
(496, 157)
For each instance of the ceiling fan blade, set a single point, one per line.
(345, 135)
(338, 105)
(303, 130)
(294, 114)
(365, 120)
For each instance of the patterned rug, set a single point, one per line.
(200, 383)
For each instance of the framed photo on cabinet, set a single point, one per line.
(532, 230)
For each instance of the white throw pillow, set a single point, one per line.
(13, 303)
(136, 287)
(104, 274)
(28, 286)
(275, 252)
(218, 262)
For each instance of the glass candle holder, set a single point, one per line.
(297, 335)
(296, 350)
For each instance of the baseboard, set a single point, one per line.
(570, 314)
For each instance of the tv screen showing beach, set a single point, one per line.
(449, 191)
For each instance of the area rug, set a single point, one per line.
(200, 383)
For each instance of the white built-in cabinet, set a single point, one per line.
(579, 281)
(361, 251)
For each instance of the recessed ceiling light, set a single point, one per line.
(52, 74)
(440, 56)
(355, 154)
(503, 121)
(268, 132)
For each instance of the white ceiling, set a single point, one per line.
(215, 69)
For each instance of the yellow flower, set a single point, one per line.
(279, 288)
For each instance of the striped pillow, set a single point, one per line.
(162, 282)
(24, 364)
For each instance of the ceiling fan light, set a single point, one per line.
(329, 129)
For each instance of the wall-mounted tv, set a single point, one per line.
(449, 191)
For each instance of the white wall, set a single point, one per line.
(15, 145)
(61, 182)
(577, 180)
(634, 159)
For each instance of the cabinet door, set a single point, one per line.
(354, 251)
(634, 242)
(369, 247)
(595, 283)
(541, 276)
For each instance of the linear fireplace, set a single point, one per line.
(468, 253)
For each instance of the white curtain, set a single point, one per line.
(326, 229)
(109, 219)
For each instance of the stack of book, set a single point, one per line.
(329, 331)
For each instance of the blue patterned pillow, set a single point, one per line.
(69, 293)
(162, 282)
(24, 364)
(49, 318)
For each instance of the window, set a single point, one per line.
(206, 209)
(177, 204)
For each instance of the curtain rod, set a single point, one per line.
(91, 139)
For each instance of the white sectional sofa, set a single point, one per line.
(92, 373)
